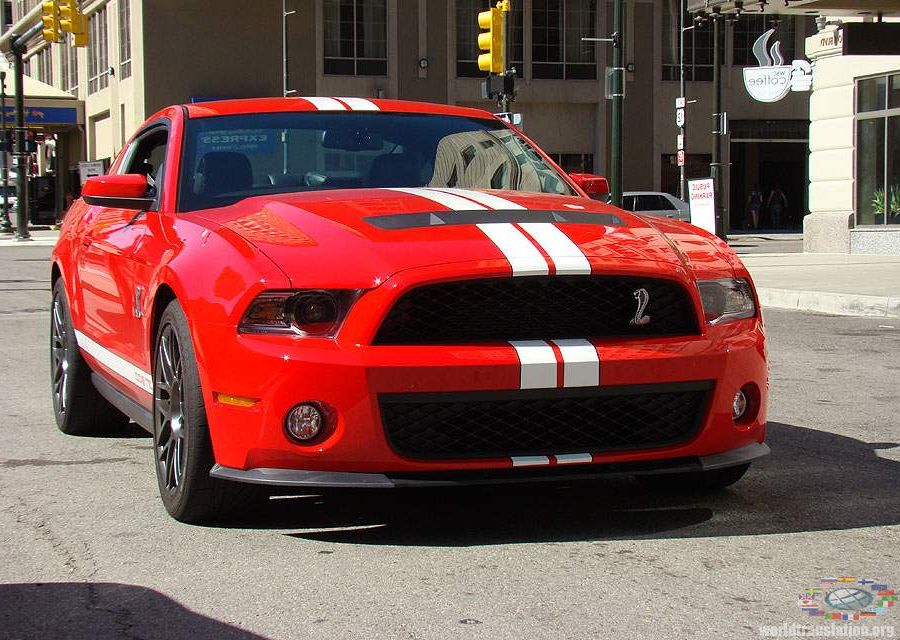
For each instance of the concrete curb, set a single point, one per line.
(836, 304)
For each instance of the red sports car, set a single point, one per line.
(341, 292)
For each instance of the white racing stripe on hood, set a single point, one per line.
(448, 200)
(566, 255)
(523, 256)
(487, 199)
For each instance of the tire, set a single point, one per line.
(697, 482)
(182, 448)
(79, 408)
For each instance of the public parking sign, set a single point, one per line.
(702, 196)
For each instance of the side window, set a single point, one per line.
(664, 204)
(628, 203)
(652, 202)
(148, 157)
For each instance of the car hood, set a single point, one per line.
(359, 238)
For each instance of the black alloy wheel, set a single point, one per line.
(168, 405)
(182, 448)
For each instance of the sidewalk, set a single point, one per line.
(837, 284)
(41, 237)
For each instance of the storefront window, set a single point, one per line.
(871, 94)
(869, 168)
(878, 151)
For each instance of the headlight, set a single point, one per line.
(311, 312)
(726, 300)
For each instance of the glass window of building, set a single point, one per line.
(69, 68)
(467, 31)
(42, 67)
(124, 39)
(98, 54)
(698, 46)
(574, 162)
(878, 151)
(356, 37)
(556, 32)
(748, 28)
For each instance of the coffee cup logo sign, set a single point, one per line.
(772, 80)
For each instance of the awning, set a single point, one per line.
(45, 105)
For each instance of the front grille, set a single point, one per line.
(544, 421)
(537, 308)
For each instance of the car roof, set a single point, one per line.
(320, 103)
(646, 193)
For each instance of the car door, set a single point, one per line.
(112, 259)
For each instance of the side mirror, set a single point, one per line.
(126, 191)
(597, 187)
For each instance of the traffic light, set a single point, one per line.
(50, 19)
(73, 21)
(491, 41)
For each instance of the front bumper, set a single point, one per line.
(350, 480)
(250, 443)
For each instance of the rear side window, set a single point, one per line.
(654, 202)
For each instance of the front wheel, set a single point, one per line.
(698, 481)
(181, 443)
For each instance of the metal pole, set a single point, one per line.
(21, 156)
(284, 48)
(716, 165)
(5, 224)
(682, 183)
(618, 89)
(505, 98)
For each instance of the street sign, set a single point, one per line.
(679, 117)
(702, 197)
(89, 169)
(680, 145)
(681, 157)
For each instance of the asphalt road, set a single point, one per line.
(87, 551)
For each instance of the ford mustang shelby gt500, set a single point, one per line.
(341, 292)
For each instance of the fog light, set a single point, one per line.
(739, 406)
(304, 422)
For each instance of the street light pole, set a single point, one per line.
(718, 129)
(18, 50)
(618, 94)
(682, 182)
(5, 224)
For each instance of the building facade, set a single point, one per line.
(854, 132)
(145, 54)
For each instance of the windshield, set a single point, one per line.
(229, 158)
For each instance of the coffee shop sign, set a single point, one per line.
(772, 80)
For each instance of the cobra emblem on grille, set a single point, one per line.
(642, 296)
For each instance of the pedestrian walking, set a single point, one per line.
(754, 206)
(777, 205)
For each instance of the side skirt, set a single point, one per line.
(142, 416)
